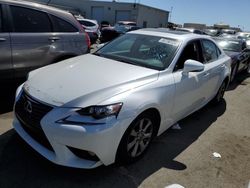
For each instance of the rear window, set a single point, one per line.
(29, 21)
(86, 23)
(62, 26)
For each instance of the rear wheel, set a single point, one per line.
(220, 94)
(136, 139)
(234, 72)
(248, 68)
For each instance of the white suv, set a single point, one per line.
(108, 106)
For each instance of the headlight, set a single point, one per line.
(99, 112)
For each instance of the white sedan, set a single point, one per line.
(108, 106)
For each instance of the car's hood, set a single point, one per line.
(232, 54)
(90, 77)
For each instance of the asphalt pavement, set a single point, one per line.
(179, 156)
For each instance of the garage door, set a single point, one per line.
(97, 13)
(123, 15)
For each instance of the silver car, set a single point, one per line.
(33, 35)
(104, 107)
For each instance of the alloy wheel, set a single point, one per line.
(139, 137)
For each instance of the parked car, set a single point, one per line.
(33, 35)
(108, 106)
(191, 30)
(92, 28)
(229, 36)
(120, 28)
(108, 34)
(104, 24)
(124, 26)
(228, 31)
(212, 32)
(245, 36)
(236, 49)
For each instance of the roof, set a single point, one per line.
(35, 5)
(41, 7)
(164, 32)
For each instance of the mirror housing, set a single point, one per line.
(193, 66)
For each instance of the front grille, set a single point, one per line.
(30, 112)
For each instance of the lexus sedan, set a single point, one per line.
(106, 107)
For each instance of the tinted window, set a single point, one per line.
(141, 50)
(209, 51)
(29, 21)
(62, 26)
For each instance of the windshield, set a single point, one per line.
(141, 50)
(230, 45)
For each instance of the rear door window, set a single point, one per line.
(27, 20)
(210, 51)
(62, 26)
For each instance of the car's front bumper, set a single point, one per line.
(102, 140)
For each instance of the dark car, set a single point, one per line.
(34, 35)
(236, 49)
(120, 28)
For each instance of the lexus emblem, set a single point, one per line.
(28, 106)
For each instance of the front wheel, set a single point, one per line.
(136, 139)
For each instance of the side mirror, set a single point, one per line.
(192, 66)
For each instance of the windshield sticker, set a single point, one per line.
(170, 42)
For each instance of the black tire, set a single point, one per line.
(220, 94)
(248, 68)
(137, 135)
(234, 72)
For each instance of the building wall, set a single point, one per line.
(195, 25)
(138, 13)
(109, 8)
(152, 17)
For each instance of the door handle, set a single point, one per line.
(2, 39)
(222, 66)
(206, 74)
(53, 39)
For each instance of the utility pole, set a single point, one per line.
(170, 15)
